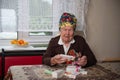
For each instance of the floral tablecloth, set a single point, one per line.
(36, 72)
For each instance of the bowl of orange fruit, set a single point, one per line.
(19, 43)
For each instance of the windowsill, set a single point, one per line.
(11, 48)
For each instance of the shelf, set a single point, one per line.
(29, 48)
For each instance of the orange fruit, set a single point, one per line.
(21, 41)
(14, 41)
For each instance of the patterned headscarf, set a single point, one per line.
(67, 19)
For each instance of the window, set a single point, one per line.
(40, 17)
(8, 21)
(26, 19)
(8, 29)
(36, 20)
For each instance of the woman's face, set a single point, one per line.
(67, 33)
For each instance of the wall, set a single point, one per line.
(103, 26)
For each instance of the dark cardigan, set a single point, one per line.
(80, 45)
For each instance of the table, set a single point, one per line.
(36, 72)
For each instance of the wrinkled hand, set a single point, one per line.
(82, 61)
(58, 59)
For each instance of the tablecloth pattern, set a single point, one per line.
(36, 72)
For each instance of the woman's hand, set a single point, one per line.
(58, 59)
(82, 61)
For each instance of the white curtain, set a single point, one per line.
(8, 11)
(77, 7)
(23, 15)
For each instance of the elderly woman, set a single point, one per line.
(69, 44)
